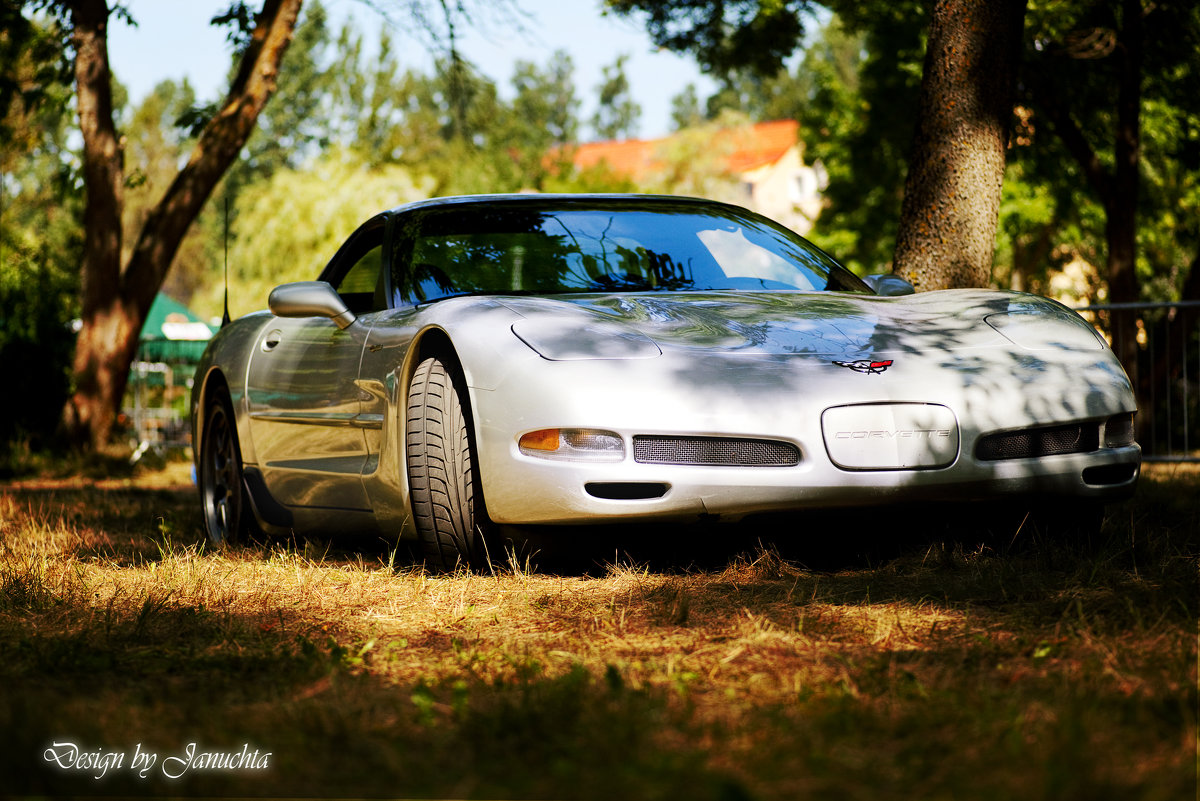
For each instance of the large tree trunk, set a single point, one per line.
(947, 229)
(1120, 207)
(105, 323)
(116, 301)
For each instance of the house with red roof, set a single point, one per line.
(762, 162)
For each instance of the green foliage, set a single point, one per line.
(1026, 233)
(292, 223)
(295, 123)
(389, 137)
(693, 161)
(155, 145)
(1169, 210)
(40, 243)
(37, 303)
(617, 114)
(685, 109)
(590, 179)
(33, 68)
(367, 97)
(542, 116)
(724, 35)
(778, 96)
(1073, 63)
(858, 122)
(450, 131)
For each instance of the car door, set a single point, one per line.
(303, 396)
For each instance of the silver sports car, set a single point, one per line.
(468, 363)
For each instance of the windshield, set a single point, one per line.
(519, 248)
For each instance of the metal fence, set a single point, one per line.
(1165, 372)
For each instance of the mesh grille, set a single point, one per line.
(714, 451)
(1039, 442)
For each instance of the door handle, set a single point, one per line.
(272, 339)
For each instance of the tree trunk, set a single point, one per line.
(90, 412)
(116, 301)
(947, 229)
(1191, 284)
(1120, 207)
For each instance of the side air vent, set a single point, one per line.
(715, 451)
(1036, 442)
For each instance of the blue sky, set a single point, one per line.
(173, 40)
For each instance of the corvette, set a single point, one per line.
(465, 364)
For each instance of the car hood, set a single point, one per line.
(636, 326)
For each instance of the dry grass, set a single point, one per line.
(1051, 672)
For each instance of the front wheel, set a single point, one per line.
(222, 495)
(445, 501)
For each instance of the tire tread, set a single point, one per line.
(441, 469)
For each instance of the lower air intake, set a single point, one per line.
(626, 490)
(715, 451)
(1036, 442)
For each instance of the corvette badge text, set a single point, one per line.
(98, 762)
(911, 433)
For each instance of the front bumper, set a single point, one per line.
(527, 490)
(629, 400)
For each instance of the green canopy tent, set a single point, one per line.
(172, 333)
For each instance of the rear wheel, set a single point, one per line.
(441, 470)
(222, 494)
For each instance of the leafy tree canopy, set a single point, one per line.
(724, 35)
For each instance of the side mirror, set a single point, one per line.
(889, 285)
(310, 299)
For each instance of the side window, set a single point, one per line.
(362, 278)
(357, 271)
(404, 237)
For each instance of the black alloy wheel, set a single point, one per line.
(222, 495)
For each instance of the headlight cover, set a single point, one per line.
(566, 340)
(1119, 431)
(1046, 329)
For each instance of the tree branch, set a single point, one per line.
(215, 150)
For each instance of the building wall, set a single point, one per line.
(787, 191)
